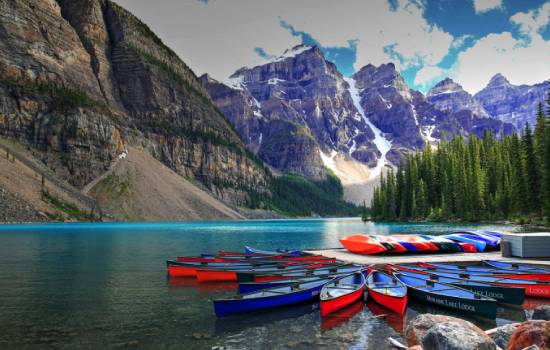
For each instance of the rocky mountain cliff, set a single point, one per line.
(372, 118)
(514, 104)
(83, 80)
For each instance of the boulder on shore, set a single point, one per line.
(503, 334)
(542, 313)
(456, 336)
(529, 333)
(420, 326)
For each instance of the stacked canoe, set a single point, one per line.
(463, 241)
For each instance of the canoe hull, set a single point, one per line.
(531, 290)
(332, 305)
(394, 303)
(476, 307)
(181, 271)
(229, 307)
(216, 276)
(367, 247)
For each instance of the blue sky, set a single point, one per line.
(428, 40)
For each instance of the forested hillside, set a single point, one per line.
(476, 179)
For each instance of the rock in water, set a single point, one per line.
(542, 313)
(418, 328)
(530, 333)
(503, 335)
(456, 336)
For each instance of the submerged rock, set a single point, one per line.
(456, 336)
(418, 328)
(542, 313)
(530, 333)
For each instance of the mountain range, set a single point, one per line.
(100, 119)
(299, 114)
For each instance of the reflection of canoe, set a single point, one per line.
(341, 292)
(237, 323)
(503, 294)
(394, 320)
(269, 298)
(363, 244)
(203, 287)
(388, 291)
(533, 303)
(449, 296)
(338, 317)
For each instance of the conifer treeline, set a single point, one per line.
(480, 179)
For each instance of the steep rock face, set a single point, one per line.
(450, 97)
(512, 103)
(410, 119)
(291, 148)
(80, 80)
(388, 103)
(464, 114)
(299, 87)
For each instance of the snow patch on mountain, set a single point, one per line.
(329, 162)
(383, 144)
(235, 82)
(295, 51)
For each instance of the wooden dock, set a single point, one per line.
(344, 255)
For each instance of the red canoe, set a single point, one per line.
(341, 292)
(387, 291)
(362, 244)
(418, 242)
(219, 275)
(468, 247)
(396, 246)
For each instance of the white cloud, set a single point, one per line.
(426, 76)
(524, 60)
(220, 36)
(481, 6)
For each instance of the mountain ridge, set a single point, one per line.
(301, 86)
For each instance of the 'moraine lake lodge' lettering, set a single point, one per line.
(490, 294)
(453, 304)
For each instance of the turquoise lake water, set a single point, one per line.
(104, 286)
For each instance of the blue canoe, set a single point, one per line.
(510, 295)
(491, 240)
(251, 250)
(249, 287)
(270, 298)
(504, 269)
(466, 238)
(442, 243)
(515, 267)
(297, 273)
(493, 233)
(449, 296)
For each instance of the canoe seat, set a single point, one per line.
(342, 287)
